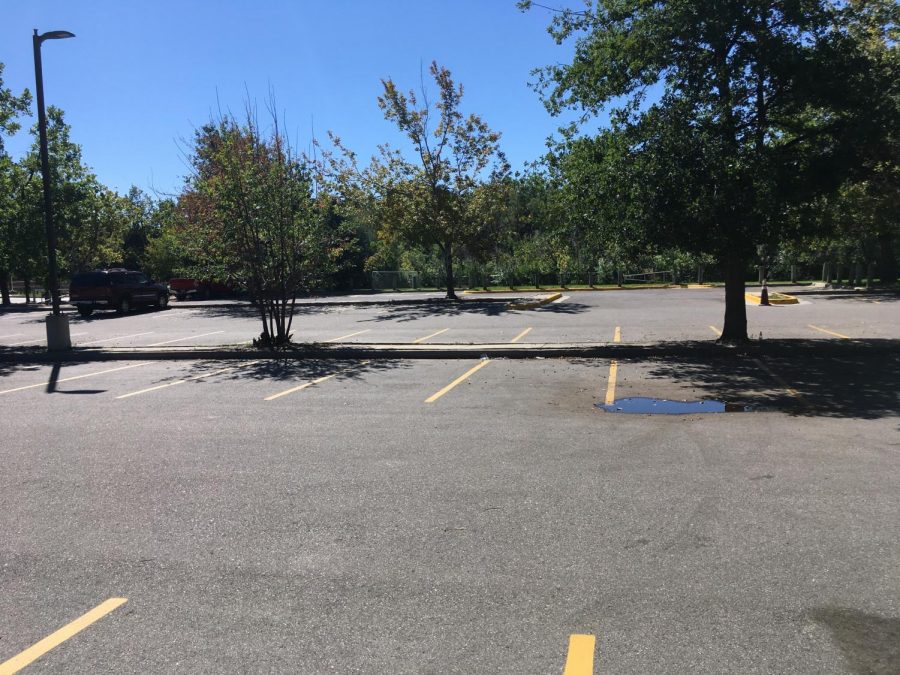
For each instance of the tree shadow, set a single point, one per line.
(250, 312)
(488, 308)
(870, 643)
(564, 308)
(847, 384)
(98, 316)
(8, 368)
(879, 295)
(293, 370)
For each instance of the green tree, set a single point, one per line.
(450, 195)
(91, 219)
(252, 212)
(164, 255)
(12, 179)
(762, 105)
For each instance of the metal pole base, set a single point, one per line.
(58, 339)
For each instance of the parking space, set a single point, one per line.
(450, 515)
(487, 527)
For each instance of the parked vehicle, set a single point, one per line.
(184, 287)
(118, 289)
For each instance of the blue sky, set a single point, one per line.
(141, 75)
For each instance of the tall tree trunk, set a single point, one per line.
(735, 327)
(448, 270)
(4, 288)
(887, 259)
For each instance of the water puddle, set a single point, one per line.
(662, 406)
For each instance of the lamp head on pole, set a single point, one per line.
(54, 35)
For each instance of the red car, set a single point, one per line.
(118, 289)
(182, 288)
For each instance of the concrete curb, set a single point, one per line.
(534, 304)
(774, 299)
(382, 351)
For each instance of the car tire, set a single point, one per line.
(124, 305)
(85, 311)
(163, 301)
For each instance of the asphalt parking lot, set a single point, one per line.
(455, 515)
(644, 316)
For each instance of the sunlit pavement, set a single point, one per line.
(451, 516)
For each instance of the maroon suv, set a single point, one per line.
(117, 289)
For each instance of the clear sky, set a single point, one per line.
(141, 75)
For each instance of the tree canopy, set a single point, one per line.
(723, 116)
(450, 194)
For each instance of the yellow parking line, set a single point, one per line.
(428, 337)
(521, 335)
(716, 331)
(344, 337)
(611, 385)
(190, 337)
(580, 659)
(779, 380)
(187, 379)
(617, 336)
(77, 377)
(37, 650)
(312, 382)
(830, 332)
(462, 378)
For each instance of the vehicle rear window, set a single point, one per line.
(90, 279)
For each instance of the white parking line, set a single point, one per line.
(187, 379)
(77, 377)
(311, 383)
(560, 299)
(120, 337)
(344, 337)
(191, 337)
(43, 339)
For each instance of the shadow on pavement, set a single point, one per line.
(293, 370)
(870, 643)
(250, 312)
(8, 368)
(881, 296)
(403, 313)
(850, 384)
(100, 315)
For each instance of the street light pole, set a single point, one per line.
(57, 323)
